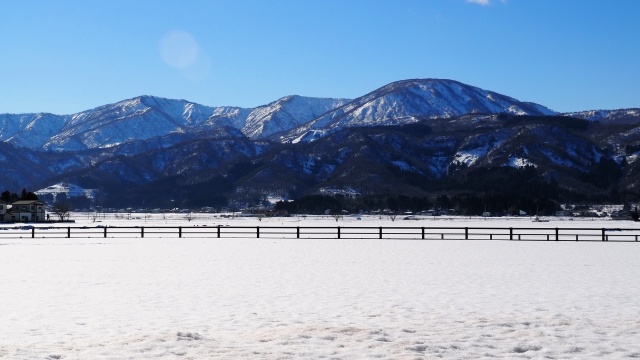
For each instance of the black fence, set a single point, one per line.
(328, 232)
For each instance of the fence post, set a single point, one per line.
(603, 235)
(179, 231)
(297, 232)
(141, 231)
(68, 231)
(33, 232)
(423, 233)
(557, 237)
(218, 231)
(466, 233)
(338, 232)
(257, 232)
(510, 233)
(105, 231)
(380, 232)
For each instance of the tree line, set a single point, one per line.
(470, 204)
(498, 190)
(9, 197)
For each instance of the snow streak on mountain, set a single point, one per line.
(285, 114)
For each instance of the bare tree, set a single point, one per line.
(62, 210)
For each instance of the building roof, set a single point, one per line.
(27, 202)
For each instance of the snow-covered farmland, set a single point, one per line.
(273, 298)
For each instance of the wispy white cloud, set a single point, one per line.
(484, 2)
(479, 2)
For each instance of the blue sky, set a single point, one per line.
(66, 56)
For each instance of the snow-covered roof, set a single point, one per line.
(27, 202)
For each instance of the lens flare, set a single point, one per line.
(179, 49)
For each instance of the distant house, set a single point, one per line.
(264, 213)
(26, 210)
(3, 211)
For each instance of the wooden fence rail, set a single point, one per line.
(329, 232)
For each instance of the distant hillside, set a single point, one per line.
(418, 138)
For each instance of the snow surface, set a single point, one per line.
(470, 156)
(402, 165)
(286, 114)
(270, 298)
(557, 159)
(617, 115)
(70, 190)
(519, 162)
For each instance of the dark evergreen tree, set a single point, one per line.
(9, 197)
(6, 196)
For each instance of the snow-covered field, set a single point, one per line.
(270, 298)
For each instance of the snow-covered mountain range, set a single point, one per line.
(403, 137)
(147, 117)
(294, 118)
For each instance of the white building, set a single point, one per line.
(26, 210)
